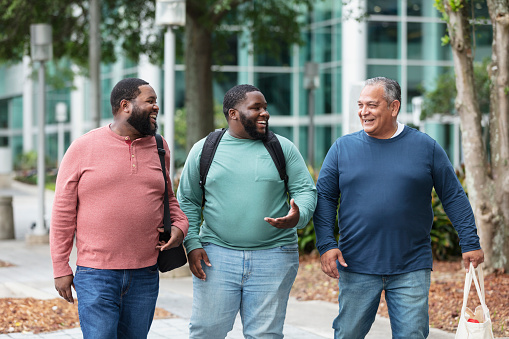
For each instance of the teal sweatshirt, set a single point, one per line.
(243, 187)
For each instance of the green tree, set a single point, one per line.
(486, 164)
(270, 24)
(441, 98)
(80, 35)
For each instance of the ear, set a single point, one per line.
(395, 107)
(125, 105)
(232, 113)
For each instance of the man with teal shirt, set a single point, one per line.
(244, 256)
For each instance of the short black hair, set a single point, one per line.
(235, 95)
(125, 89)
(392, 90)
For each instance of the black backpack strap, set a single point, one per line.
(207, 155)
(273, 146)
(166, 220)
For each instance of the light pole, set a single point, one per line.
(311, 82)
(41, 50)
(60, 117)
(170, 14)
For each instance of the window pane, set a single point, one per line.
(276, 89)
(383, 40)
(386, 7)
(391, 72)
(424, 42)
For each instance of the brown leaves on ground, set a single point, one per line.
(5, 264)
(35, 316)
(445, 299)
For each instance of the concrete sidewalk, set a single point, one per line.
(32, 277)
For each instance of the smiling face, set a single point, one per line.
(144, 111)
(378, 117)
(253, 117)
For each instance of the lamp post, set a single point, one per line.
(60, 117)
(41, 50)
(311, 82)
(170, 14)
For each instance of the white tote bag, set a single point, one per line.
(481, 327)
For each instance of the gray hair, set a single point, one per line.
(392, 91)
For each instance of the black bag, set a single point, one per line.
(209, 150)
(174, 257)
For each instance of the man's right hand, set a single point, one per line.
(328, 260)
(195, 258)
(63, 286)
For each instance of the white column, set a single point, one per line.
(77, 107)
(169, 95)
(28, 106)
(354, 57)
(150, 73)
(295, 94)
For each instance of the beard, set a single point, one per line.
(141, 122)
(250, 128)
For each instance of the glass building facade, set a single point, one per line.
(399, 39)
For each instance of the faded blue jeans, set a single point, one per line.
(256, 283)
(407, 301)
(116, 303)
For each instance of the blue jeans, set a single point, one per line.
(116, 303)
(406, 296)
(256, 283)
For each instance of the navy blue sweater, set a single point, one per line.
(383, 187)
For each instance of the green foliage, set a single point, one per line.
(441, 98)
(445, 40)
(122, 21)
(26, 170)
(456, 5)
(444, 238)
(26, 161)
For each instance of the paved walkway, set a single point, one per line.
(32, 277)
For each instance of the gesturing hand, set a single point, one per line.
(288, 221)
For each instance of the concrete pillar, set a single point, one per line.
(6, 218)
(353, 63)
(77, 106)
(28, 106)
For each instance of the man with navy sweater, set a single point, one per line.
(382, 178)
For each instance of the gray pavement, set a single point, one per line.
(32, 277)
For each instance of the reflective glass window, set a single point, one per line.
(386, 7)
(382, 40)
(424, 41)
(391, 72)
(482, 42)
(276, 88)
(414, 7)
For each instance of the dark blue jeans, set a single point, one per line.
(116, 303)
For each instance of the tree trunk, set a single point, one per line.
(480, 185)
(199, 98)
(499, 130)
(94, 55)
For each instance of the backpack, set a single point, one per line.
(209, 150)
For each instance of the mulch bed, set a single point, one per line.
(446, 293)
(29, 315)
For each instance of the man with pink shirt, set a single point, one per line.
(109, 196)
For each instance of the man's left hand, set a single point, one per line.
(177, 236)
(475, 257)
(288, 221)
